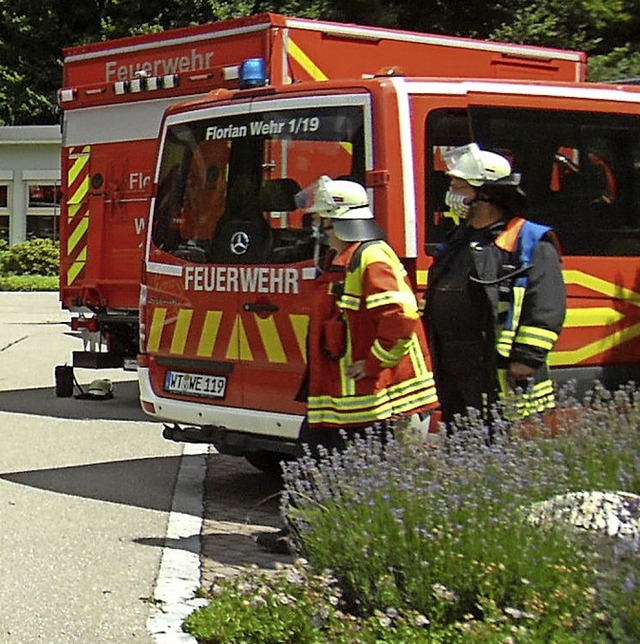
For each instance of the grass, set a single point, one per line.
(445, 541)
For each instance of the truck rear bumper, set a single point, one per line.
(230, 423)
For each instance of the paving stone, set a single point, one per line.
(239, 502)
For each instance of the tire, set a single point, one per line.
(267, 462)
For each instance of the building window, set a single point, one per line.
(43, 211)
(4, 212)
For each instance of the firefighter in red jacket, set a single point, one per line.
(495, 300)
(368, 358)
(367, 355)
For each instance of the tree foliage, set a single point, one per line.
(33, 33)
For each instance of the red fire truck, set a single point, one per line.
(225, 292)
(114, 94)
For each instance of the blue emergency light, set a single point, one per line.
(253, 73)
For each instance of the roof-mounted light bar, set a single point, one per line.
(169, 81)
(120, 87)
(253, 73)
(250, 74)
(231, 73)
(145, 84)
(137, 84)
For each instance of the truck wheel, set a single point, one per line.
(267, 462)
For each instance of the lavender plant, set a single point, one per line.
(460, 538)
(442, 528)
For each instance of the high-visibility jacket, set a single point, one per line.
(519, 270)
(366, 310)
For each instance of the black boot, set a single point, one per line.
(276, 542)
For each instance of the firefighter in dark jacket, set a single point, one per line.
(495, 300)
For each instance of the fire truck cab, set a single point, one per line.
(230, 261)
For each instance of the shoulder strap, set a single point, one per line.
(528, 240)
(508, 238)
(522, 236)
(354, 262)
(519, 239)
(530, 236)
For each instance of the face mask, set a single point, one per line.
(320, 236)
(320, 246)
(456, 204)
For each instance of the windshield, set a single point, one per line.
(227, 185)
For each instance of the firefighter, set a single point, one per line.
(495, 299)
(368, 358)
(367, 355)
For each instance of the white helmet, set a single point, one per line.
(338, 198)
(346, 203)
(478, 167)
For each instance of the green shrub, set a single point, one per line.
(33, 257)
(29, 282)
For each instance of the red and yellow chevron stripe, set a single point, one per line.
(77, 189)
(182, 333)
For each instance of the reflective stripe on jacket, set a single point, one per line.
(520, 238)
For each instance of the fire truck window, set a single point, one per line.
(579, 170)
(243, 235)
(203, 200)
(226, 188)
(448, 129)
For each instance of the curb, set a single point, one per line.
(179, 572)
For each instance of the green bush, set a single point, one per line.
(33, 257)
(29, 282)
(294, 604)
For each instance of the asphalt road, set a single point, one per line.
(85, 491)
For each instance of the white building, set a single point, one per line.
(29, 182)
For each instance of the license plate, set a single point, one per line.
(195, 384)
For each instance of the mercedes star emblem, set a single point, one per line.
(239, 243)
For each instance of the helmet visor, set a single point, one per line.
(465, 162)
(478, 167)
(315, 197)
